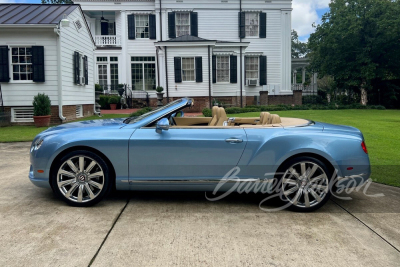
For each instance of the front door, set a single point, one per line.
(184, 154)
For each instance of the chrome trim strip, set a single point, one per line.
(195, 181)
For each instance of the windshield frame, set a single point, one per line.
(154, 115)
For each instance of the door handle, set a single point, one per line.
(233, 140)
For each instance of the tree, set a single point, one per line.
(57, 2)
(299, 49)
(357, 43)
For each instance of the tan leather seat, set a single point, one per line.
(264, 116)
(214, 119)
(275, 119)
(221, 117)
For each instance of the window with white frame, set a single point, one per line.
(252, 66)
(182, 23)
(143, 71)
(114, 71)
(142, 26)
(107, 72)
(102, 66)
(252, 23)
(222, 69)
(188, 69)
(21, 63)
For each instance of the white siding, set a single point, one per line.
(217, 20)
(187, 88)
(21, 94)
(73, 40)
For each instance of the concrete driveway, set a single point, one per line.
(184, 229)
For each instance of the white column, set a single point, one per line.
(124, 54)
(303, 75)
(286, 51)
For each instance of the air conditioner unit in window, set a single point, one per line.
(252, 82)
(82, 80)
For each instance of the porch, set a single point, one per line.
(102, 24)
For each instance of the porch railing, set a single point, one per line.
(310, 89)
(108, 40)
(133, 98)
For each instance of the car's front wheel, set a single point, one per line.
(81, 178)
(305, 184)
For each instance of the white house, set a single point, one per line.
(224, 49)
(39, 53)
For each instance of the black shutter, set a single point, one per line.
(104, 28)
(263, 70)
(38, 64)
(152, 27)
(214, 69)
(193, 24)
(178, 69)
(4, 65)
(233, 69)
(199, 69)
(242, 25)
(263, 25)
(76, 67)
(131, 27)
(171, 25)
(86, 70)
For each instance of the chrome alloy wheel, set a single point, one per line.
(80, 179)
(305, 184)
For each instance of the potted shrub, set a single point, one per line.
(41, 110)
(160, 95)
(113, 101)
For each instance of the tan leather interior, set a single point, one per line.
(189, 121)
(275, 119)
(221, 117)
(214, 119)
(266, 120)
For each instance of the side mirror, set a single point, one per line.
(162, 124)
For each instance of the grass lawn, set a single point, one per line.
(27, 133)
(381, 129)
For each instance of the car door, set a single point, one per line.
(184, 154)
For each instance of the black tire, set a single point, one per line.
(299, 207)
(97, 194)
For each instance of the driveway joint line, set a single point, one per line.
(108, 233)
(384, 239)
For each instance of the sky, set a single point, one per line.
(305, 13)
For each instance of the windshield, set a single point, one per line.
(141, 117)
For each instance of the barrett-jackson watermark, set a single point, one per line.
(339, 188)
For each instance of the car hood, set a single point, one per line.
(116, 123)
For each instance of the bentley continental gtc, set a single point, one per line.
(164, 150)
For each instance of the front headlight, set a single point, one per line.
(37, 144)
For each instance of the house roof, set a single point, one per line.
(188, 38)
(20, 14)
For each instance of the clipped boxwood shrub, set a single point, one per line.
(41, 105)
(114, 100)
(207, 112)
(103, 102)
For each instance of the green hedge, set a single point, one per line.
(141, 112)
(234, 110)
(104, 101)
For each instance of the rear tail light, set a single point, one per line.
(364, 147)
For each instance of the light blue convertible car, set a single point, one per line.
(164, 150)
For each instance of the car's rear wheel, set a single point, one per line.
(81, 178)
(305, 184)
